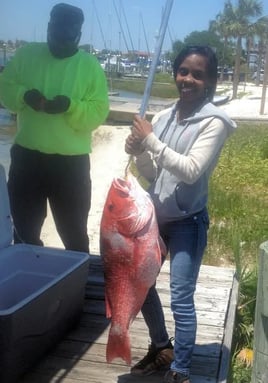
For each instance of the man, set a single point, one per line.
(60, 96)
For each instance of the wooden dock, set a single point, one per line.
(80, 356)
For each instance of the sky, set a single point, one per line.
(113, 24)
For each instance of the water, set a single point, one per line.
(122, 94)
(6, 118)
(127, 94)
(7, 132)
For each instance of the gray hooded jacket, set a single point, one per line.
(179, 158)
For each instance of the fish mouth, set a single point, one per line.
(122, 185)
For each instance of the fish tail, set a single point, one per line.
(118, 346)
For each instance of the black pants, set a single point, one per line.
(64, 181)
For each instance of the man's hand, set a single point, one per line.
(59, 104)
(34, 99)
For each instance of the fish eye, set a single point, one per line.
(110, 207)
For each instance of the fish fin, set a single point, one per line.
(162, 246)
(108, 310)
(118, 346)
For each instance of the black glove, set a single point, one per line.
(59, 104)
(34, 99)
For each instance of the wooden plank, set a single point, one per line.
(95, 352)
(97, 330)
(56, 369)
(206, 271)
(89, 331)
(208, 312)
(80, 357)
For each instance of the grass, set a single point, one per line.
(159, 89)
(238, 199)
(238, 208)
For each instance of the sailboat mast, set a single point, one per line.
(99, 23)
(120, 24)
(129, 34)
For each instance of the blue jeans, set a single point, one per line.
(186, 241)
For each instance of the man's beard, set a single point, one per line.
(62, 49)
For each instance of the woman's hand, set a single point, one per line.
(133, 145)
(141, 127)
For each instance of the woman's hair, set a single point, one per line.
(212, 64)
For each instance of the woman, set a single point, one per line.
(177, 154)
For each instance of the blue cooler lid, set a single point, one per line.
(6, 232)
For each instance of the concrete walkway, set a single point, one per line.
(248, 106)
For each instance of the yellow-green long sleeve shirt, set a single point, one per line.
(80, 77)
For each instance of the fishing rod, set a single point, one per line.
(149, 82)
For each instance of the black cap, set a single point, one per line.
(66, 13)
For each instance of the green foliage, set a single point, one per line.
(241, 373)
(238, 199)
(208, 37)
(176, 48)
(243, 336)
(159, 89)
(238, 207)
(241, 367)
(205, 38)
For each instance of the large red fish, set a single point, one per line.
(131, 250)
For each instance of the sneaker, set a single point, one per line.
(176, 377)
(155, 360)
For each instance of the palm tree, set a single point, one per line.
(261, 31)
(237, 23)
(221, 27)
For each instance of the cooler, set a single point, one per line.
(41, 296)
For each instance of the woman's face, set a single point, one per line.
(192, 79)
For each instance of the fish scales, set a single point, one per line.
(131, 250)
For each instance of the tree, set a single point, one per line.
(176, 48)
(206, 38)
(220, 27)
(238, 24)
(199, 38)
(261, 31)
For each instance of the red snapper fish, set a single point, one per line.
(131, 250)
